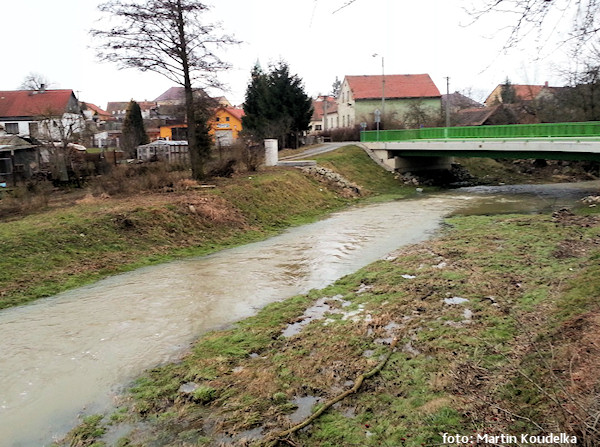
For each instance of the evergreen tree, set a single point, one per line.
(133, 131)
(508, 94)
(336, 87)
(256, 108)
(276, 105)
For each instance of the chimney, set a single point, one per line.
(42, 88)
(546, 84)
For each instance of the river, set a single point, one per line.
(74, 353)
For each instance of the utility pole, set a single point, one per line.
(447, 101)
(382, 111)
(382, 88)
(325, 106)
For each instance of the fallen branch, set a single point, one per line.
(274, 439)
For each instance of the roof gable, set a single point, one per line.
(232, 111)
(115, 107)
(30, 103)
(172, 94)
(523, 92)
(396, 86)
(319, 107)
(97, 110)
(236, 112)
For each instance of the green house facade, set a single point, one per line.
(397, 99)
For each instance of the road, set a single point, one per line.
(320, 149)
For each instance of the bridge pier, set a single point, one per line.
(413, 163)
(419, 164)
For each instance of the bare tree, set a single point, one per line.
(60, 131)
(532, 15)
(168, 37)
(34, 81)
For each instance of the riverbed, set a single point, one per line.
(74, 353)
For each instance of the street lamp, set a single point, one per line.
(382, 84)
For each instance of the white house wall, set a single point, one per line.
(23, 126)
(346, 103)
(47, 129)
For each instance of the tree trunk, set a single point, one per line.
(194, 151)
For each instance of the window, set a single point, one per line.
(5, 166)
(34, 130)
(12, 128)
(218, 119)
(227, 118)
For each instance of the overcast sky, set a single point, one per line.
(425, 36)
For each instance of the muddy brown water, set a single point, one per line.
(72, 354)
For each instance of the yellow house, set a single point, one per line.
(226, 125)
(173, 132)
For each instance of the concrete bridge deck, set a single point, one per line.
(434, 148)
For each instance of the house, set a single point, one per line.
(175, 96)
(324, 115)
(226, 125)
(393, 95)
(457, 101)
(118, 109)
(44, 114)
(19, 157)
(487, 116)
(94, 113)
(173, 132)
(223, 101)
(522, 93)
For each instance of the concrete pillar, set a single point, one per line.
(271, 155)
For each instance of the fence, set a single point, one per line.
(546, 130)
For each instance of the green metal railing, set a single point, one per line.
(547, 130)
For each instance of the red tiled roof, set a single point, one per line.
(236, 112)
(318, 107)
(523, 92)
(396, 86)
(97, 110)
(527, 92)
(27, 103)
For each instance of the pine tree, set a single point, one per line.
(133, 131)
(508, 93)
(256, 108)
(276, 105)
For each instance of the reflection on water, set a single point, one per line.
(70, 352)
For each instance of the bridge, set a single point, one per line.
(434, 148)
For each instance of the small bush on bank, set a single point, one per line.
(343, 134)
(24, 199)
(130, 179)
